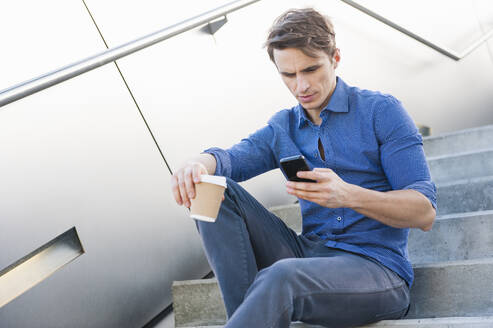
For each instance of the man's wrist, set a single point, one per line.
(209, 162)
(354, 196)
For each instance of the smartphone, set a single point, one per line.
(291, 165)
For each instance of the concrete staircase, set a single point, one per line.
(453, 262)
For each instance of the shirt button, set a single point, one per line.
(339, 218)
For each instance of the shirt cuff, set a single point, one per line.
(223, 161)
(427, 188)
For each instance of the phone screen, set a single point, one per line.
(291, 165)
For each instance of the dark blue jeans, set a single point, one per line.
(270, 276)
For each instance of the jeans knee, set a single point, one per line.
(232, 188)
(277, 280)
(282, 272)
(234, 192)
(230, 181)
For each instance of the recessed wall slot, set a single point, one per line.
(33, 268)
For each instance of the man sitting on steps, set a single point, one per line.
(350, 265)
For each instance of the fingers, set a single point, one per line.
(312, 196)
(317, 174)
(196, 174)
(308, 195)
(308, 186)
(189, 184)
(323, 169)
(307, 174)
(176, 190)
(183, 182)
(197, 171)
(183, 190)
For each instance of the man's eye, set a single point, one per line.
(289, 75)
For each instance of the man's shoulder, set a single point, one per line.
(370, 103)
(371, 96)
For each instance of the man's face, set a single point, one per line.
(310, 80)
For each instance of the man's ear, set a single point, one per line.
(337, 57)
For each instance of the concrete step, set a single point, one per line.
(457, 237)
(462, 196)
(450, 322)
(198, 303)
(459, 288)
(459, 141)
(461, 166)
(290, 214)
(445, 289)
(453, 322)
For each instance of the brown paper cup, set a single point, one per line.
(208, 197)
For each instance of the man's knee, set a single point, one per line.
(235, 196)
(228, 206)
(284, 271)
(277, 281)
(232, 189)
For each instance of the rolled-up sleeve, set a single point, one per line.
(223, 163)
(401, 150)
(248, 158)
(427, 188)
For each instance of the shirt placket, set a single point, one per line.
(331, 162)
(338, 222)
(316, 134)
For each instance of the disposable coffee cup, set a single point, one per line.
(208, 197)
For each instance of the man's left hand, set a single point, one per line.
(329, 190)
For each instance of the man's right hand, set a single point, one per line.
(183, 182)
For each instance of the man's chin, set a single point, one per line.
(310, 106)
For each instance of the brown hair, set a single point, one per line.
(304, 29)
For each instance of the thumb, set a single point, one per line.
(323, 169)
(322, 174)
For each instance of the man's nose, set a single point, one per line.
(302, 85)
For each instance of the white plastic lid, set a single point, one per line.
(202, 218)
(221, 181)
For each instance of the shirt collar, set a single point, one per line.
(338, 102)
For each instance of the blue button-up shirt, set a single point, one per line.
(369, 140)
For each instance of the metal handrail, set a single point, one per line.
(447, 52)
(47, 80)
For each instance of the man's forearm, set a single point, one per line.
(397, 208)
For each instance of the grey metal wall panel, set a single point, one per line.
(79, 154)
(35, 43)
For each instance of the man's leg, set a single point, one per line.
(245, 238)
(339, 290)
